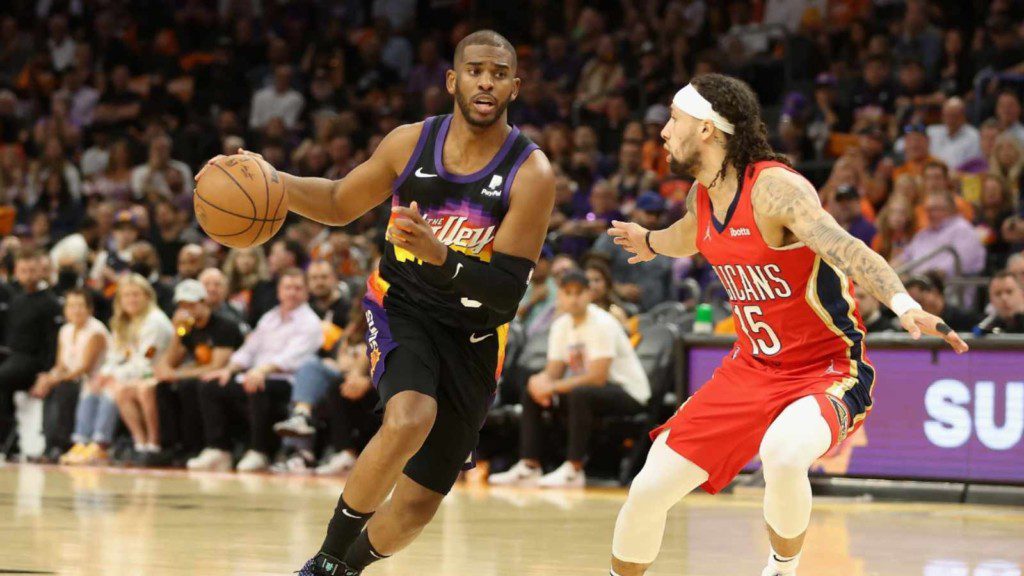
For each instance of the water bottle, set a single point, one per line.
(703, 323)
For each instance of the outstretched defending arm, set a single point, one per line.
(339, 202)
(500, 283)
(787, 199)
(676, 241)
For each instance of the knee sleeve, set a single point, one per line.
(792, 443)
(666, 477)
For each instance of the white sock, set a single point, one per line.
(782, 564)
(152, 448)
(140, 448)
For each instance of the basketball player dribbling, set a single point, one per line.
(471, 198)
(798, 380)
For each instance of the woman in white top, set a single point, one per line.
(141, 333)
(81, 346)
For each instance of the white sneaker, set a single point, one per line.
(338, 464)
(296, 425)
(253, 461)
(518, 475)
(211, 459)
(565, 476)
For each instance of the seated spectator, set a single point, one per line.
(325, 297)
(1008, 114)
(256, 381)
(954, 140)
(244, 268)
(980, 162)
(284, 254)
(191, 261)
(1007, 161)
(599, 278)
(1015, 266)
(114, 182)
(81, 348)
(845, 207)
(947, 228)
(537, 308)
(996, 208)
(915, 151)
(149, 179)
(115, 258)
(348, 369)
(171, 231)
(646, 283)
(140, 333)
(929, 291)
(30, 336)
(203, 342)
(578, 233)
(278, 100)
(1006, 295)
(593, 370)
(631, 179)
(146, 263)
(875, 318)
(216, 286)
(936, 178)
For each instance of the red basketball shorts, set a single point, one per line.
(721, 426)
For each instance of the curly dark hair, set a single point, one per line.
(734, 99)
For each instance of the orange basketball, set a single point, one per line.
(240, 201)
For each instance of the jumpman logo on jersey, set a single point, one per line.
(707, 233)
(832, 369)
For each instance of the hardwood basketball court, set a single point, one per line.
(109, 522)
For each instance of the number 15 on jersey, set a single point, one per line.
(762, 337)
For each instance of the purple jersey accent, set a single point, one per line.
(515, 169)
(379, 342)
(411, 164)
(466, 178)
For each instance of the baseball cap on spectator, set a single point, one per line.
(574, 276)
(125, 218)
(190, 291)
(650, 202)
(657, 114)
(921, 282)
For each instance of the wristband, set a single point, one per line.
(647, 239)
(902, 303)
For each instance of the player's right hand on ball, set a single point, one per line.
(218, 157)
(633, 238)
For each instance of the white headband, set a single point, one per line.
(690, 101)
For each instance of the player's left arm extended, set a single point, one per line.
(500, 283)
(787, 199)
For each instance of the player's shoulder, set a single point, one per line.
(780, 191)
(536, 176)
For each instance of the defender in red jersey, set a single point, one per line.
(799, 379)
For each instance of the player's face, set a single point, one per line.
(483, 84)
(682, 138)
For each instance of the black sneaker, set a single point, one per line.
(324, 565)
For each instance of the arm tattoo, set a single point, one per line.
(792, 202)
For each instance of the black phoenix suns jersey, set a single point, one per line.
(464, 210)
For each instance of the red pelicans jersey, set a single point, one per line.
(794, 312)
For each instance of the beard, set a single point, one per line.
(687, 166)
(467, 110)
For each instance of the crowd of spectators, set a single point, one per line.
(905, 113)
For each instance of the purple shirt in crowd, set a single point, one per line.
(957, 232)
